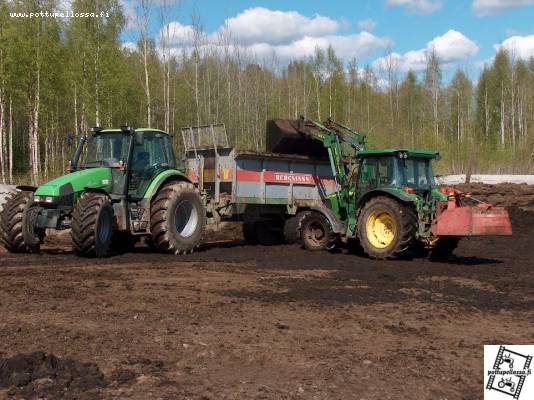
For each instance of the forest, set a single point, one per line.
(62, 75)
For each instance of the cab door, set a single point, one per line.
(149, 159)
(368, 176)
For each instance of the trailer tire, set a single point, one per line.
(177, 218)
(249, 233)
(316, 232)
(386, 228)
(16, 224)
(267, 236)
(92, 225)
(292, 227)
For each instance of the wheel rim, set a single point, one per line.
(104, 227)
(186, 218)
(316, 233)
(381, 228)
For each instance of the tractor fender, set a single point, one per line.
(335, 223)
(393, 193)
(161, 179)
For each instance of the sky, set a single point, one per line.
(464, 33)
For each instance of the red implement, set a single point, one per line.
(455, 219)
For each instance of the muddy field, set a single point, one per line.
(243, 322)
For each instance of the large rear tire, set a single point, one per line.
(316, 232)
(92, 225)
(17, 224)
(177, 218)
(386, 228)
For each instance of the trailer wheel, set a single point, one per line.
(269, 232)
(92, 225)
(249, 233)
(316, 232)
(17, 224)
(444, 248)
(292, 227)
(386, 228)
(177, 218)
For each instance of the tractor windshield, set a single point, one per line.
(392, 171)
(417, 173)
(106, 150)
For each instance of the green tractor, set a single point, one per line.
(123, 185)
(387, 201)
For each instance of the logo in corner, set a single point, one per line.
(508, 372)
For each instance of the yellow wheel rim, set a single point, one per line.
(381, 228)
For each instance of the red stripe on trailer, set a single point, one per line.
(282, 178)
(288, 177)
(244, 175)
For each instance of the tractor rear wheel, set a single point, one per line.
(177, 218)
(316, 232)
(17, 224)
(92, 225)
(386, 228)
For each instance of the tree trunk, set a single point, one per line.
(2, 138)
(10, 146)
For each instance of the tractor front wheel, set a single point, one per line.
(17, 224)
(177, 218)
(316, 232)
(386, 228)
(92, 225)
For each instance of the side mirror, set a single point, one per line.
(139, 138)
(70, 138)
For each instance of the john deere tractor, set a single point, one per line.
(123, 184)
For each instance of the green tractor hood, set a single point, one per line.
(76, 182)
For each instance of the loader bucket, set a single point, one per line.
(283, 136)
(481, 220)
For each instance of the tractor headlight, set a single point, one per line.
(44, 199)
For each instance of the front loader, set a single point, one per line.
(123, 185)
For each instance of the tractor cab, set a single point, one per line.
(406, 171)
(133, 157)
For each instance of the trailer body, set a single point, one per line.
(239, 179)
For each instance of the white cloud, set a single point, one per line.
(178, 34)
(518, 46)
(451, 47)
(130, 14)
(261, 25)
(417, 6)
(367, 24)
(491, 7)
(287, 34)
(130, 46)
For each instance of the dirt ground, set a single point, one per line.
(241, 322)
